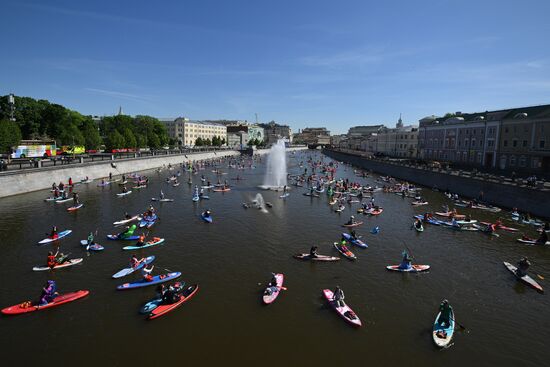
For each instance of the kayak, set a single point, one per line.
(375, 211)
(318, 258)
(73, 208)
(155, 241)
(60, 235)
(443, 334)
(413, 269)
(124, 221)
(156, 280)
(356, 241)
(115, 237)
(206, 219)
(185, 295)
(59, 300)
(344, 310)
(271, 293)
(352, 225)
(124, 193)
(284, 195)
(525, 279)
(154, 303)
(221, 190)
(531, 242)
(347, 254)
(66, 264)
(130, 270)
(162, 200)
(94, 247)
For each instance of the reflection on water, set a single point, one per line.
(226, 322)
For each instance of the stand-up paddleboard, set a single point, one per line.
(342, 309)
(66, 264)
(130, 270)
(73, 208)
(124, 193)
(316, 258)
(412, 269)
(155, 241)
(271, 293)
(184, 295)
(115, 237)
(156, 280)
(525, 279)
(57, 301)
(60, 235)
(94, 247)
(346, 252)
(442, 334)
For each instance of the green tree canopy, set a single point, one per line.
(10, 135)
(199, 142)
(115, 140)
(129, 138)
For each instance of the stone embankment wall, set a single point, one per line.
(533, 201)
(19, 182)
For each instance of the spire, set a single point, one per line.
(120, 112)
(399, 122)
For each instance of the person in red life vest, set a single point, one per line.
(52, 259)
(54, 234)
(146, 272)
(134, 261)
(70, 181)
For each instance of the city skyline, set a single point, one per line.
(308, 64)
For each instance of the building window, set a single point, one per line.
(515, 143)
(541, 144)
(512, 160)
(506, 130)
(490, 142)
(505, 143)
(525, 143)
(479, 158)
(522, 161)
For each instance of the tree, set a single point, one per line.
(215, 140)
(223, 141)
(199, 142)
(207, 142)
(70, 135)
(92, 139)
(10, 135)
(129, 138)
(115, 140)
(153, 141)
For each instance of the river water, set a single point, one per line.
(226, 323)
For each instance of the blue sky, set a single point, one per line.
(305, 63)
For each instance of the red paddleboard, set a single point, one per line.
(162, 309)
(59, 300)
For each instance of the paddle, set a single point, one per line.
(540, 276)
(459, 324)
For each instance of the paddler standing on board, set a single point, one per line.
(338, 296)
(49, 292)
(445, 310)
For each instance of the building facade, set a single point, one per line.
(273, 132)
(237, 136)
(399, 142)
(186, 131)
(313, 136)
(512, 139)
